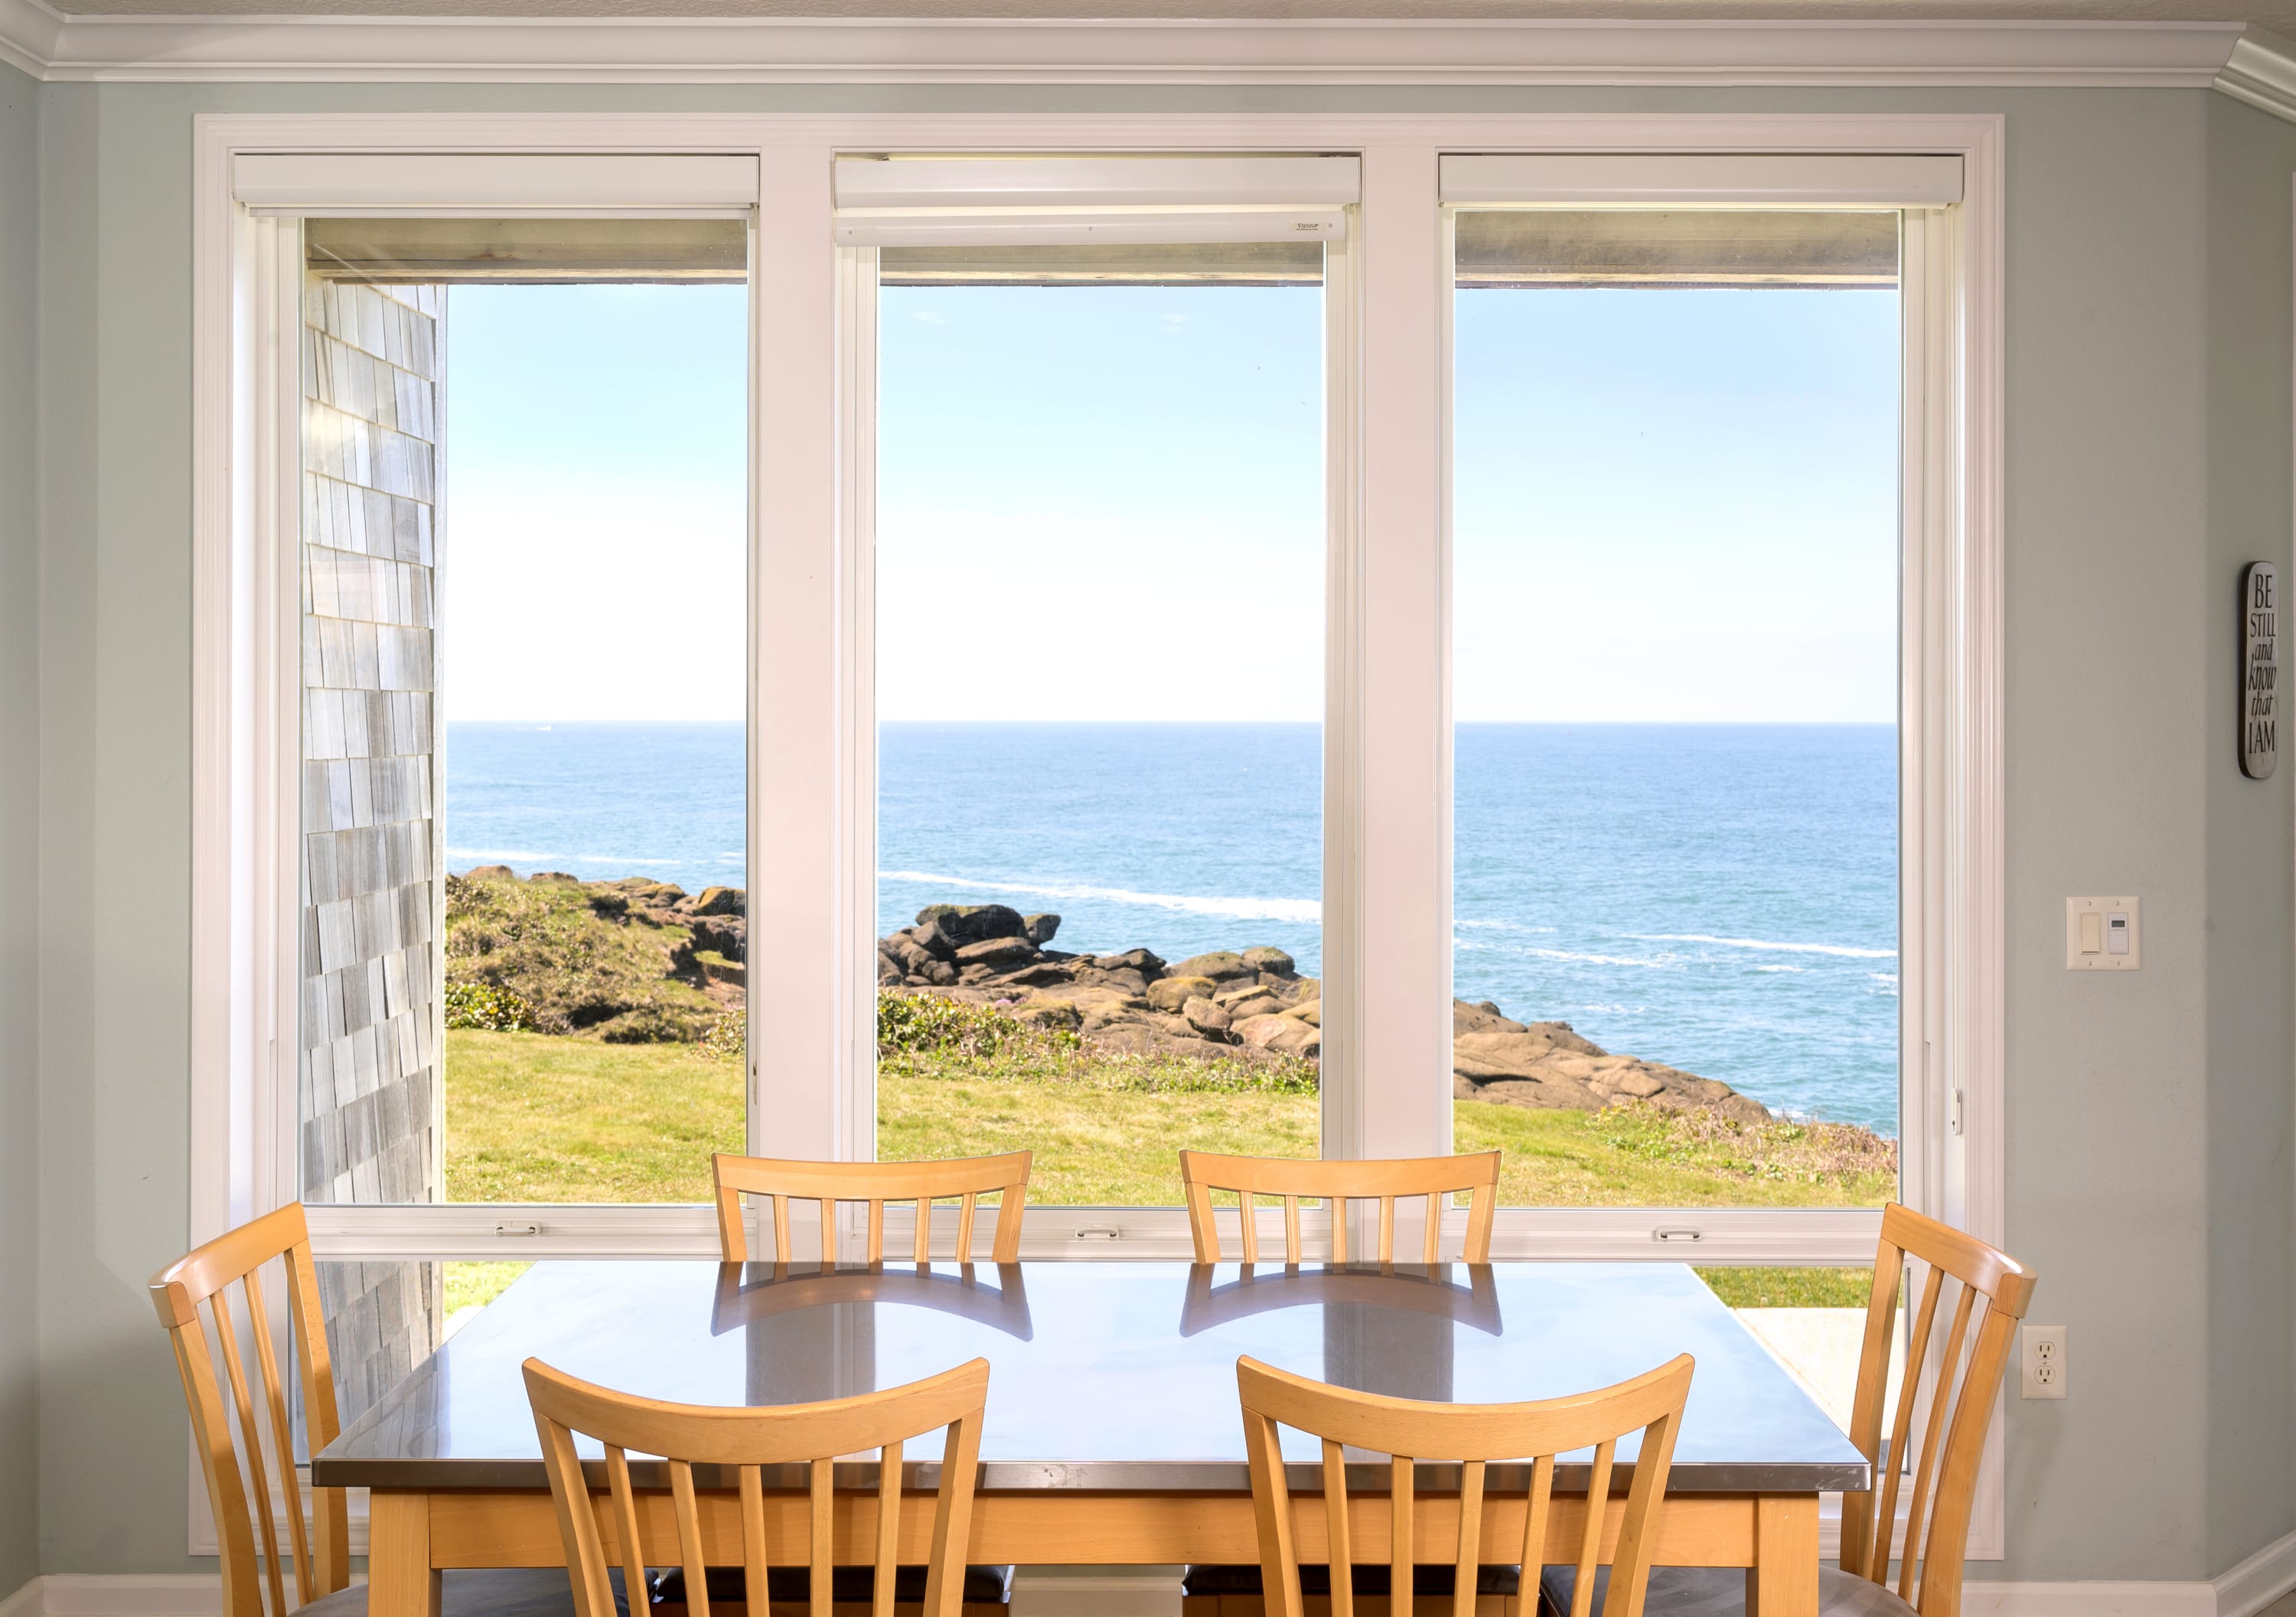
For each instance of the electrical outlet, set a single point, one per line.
(2044, 1362)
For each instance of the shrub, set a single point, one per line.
(923, 1025)
(1805, 1153)
(485, 1006)
(727, 1039)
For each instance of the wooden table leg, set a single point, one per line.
(401, 1581)
(1782, 1581)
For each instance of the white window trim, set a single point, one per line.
(1387, 757)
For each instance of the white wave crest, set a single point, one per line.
(1842, 949)
(502, 856)
(1304, 911)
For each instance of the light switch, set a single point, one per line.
(2101, 935)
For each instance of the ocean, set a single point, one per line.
(1721, 898)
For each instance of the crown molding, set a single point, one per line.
(2262, 73)
(778, 50)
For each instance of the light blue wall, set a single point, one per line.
(19, 203)
(2149, 455)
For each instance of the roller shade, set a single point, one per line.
(441, 252)
(1648, 247)
(371, 184)
(933, 203)
(1669, 180)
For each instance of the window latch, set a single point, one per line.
(1098, 1232)
(517, 1229)
(1677, 1232)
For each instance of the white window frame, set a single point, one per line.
(1388, 749)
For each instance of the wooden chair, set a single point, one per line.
(963, 1178)
(1935, 1469)
(231, 1438)
(1336, 1183)
(1474, 1435)
(741, 1442)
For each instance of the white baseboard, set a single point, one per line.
(2088, 1599)
(24, 1602)
(2257, 1581)
(131, 1595)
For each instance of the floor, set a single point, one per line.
(2285, 1606)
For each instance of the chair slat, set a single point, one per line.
(625, 1502)
(823, 1558)
(1926, 1456)
(964, 1212)
(1876, 1568)
(1468, 1560)
(1333, 1183)
(282, 1436)
(953, 1512)
(1402, 1495)
(888, 1524)
(1590, 1539)
(688, 1513)
(757, 1570)
(259, 1486)
(1533, 1559)
(1248, 1224)
(1338, 1542)
(876, 1227)
(1271, 1509)
(782, 1230)
(921, 1232)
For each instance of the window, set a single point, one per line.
(1677, 555)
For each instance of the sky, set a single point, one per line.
(1108, 503)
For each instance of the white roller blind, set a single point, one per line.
(369, 185)
(1770, 181)
(1053, 202)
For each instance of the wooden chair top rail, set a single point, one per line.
(748, 1440)
(1936, 1437)
(231, 1441)
(963, 1179)
(1474, 1435)
(1334, 1181)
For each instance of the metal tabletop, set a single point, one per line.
(1105, 1375)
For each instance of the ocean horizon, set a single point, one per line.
(1720, 898)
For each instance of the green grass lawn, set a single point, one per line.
(532, 1117)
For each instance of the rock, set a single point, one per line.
(1633, 1083)
(1039, 929)
(1219, 966)
(1049, 1015)
(898, 947)
(728, 935)
(1204, 1016)
(1309, 1011)
(1007, 951)
(1260, 1032)
(975, 923)
(1483, 1018)
(1273, 961)
(1036, 975)
(556, 875)
(1136, 960)
(1171, 993)
(720, 902)
(934, 941)
(1298, 1039)
(1253, 1001)
(888, 971)
(938, 972)
(1123, 981)
(975, 975)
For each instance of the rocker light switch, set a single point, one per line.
(2101, 935)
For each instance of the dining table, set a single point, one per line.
(1112, 1435)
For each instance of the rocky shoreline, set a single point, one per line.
(1237, 1004)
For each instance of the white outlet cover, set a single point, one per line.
(2077, 959)
(2043, 1344)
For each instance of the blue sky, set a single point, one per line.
(1108, 503)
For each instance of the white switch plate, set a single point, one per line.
(2044, 1362)
(2102, 913)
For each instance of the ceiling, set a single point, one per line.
(2279, 15)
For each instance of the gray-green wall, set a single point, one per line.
(20, 212)
(2149, 1116)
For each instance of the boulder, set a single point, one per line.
(1273, 961)
(1221, 965)
(900, 947)
(1039, 929)
(889, 972)
(1048, 1015)
(1260, 1032)
(728, 935)
(566, 876)
(1007, 950)
(934, 941)
(1171, 993)
(975, 923)
(1484, 1018)
(1254, 1001)
(720, 902)
(1132, 959)
(1309, 1011)
(1124, 981)
(1204, 1016)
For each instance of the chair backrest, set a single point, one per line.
(1991, 1291)
(742, 1440)
(229, 1438)
(1336, 1183)
(1473, 1434)
(961, 1178)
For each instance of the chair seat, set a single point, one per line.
(1317, 1580)
(1720, 1591)
(535, 1592)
